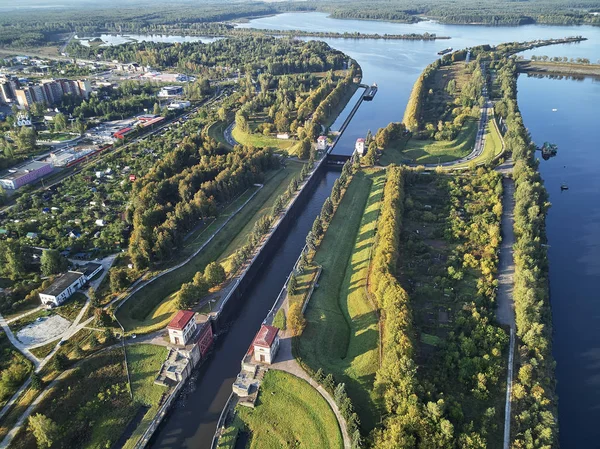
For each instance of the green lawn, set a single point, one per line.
(430, 151)
(151, 308)
(144, 363)
(72, 307)
(491, 148)
(260, 140)
(342, 335)
(290, 413)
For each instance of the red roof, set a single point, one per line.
(265, 337)
(180, 319)
(360, 139)
(322, 138)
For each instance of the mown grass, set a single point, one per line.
(290, 413)
(144, 363)
(152, 307)
(341, 335)
(261, 141)
(430, 151)
(491, 148)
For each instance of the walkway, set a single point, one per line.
(285, 361)
(229, 136)
(506, 270)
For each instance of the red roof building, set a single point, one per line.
(265, 344)
(180, 319)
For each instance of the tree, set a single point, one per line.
(79, 126)
(187, 295)
(292, 284)
(214, 274)
(317, 227)
(311, 241)
(93, 297)
(156, 109)
(305, 147)
(36, 382)
(2, 196)
(12, 263)
(52, 262)
(296, 320)
(102, 317)
(26, 139)
(327, 210)
(59, 362)
(118, 279)
(44, 429)
(60, 122)
(279, 320)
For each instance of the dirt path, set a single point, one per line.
(506, 268)
(285, 361)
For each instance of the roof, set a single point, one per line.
(265, 337)
(89, 268)
(62, 283)
(322, 138)
(181, 319)
(21, 170)
(360, 139)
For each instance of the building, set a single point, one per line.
(67, 284)
(321, 143)
(265, 344)
(359, 147)
(191, 337)
(51, 91)
(178, 105)
(171, 91)
(24, 174)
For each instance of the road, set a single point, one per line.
(228, 136)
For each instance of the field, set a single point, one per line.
(342, 335)
(96, 393)
(151, 308)
(260, 140)
(290, 413)
(431, 151)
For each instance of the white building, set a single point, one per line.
(181, 327)
(359, 147)
(321, 143)
(266, 344)
(68, 283)
(179, 105)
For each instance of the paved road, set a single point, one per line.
(506, 268)
(229, 137)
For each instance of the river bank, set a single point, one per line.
(559, 68)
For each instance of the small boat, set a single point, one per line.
(370, 92)
(564, 186)
(444, 51)
(554, 110)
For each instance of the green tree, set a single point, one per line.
(279, 320)
(305, 147)
(327, 210)
(52, 262)
(296, 320)
(43, 429)
(156, 109)
(317, 227)
(292, 285)
(187, 295)
(25, 139)
(118, 279)
(214, 274)
(59, 362)
(60, 122)
(36, 382)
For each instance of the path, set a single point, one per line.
(506, 269)
(16, 343)
(228, 136)
(285, 361)
(37, 309)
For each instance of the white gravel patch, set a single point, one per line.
(47, 329)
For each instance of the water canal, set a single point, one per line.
(573, 223)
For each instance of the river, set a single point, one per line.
(394, 65)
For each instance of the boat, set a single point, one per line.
(444, 51)
(554, 109)
(370, 92)
(548, 150)
(564, 186)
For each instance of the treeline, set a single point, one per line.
(414, 107)
(352, 35)
(534, 399)
(395, 382)
(187, 185)
(249, 54)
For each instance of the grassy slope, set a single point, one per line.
(152, 308)
(342, 331)
(290, 413)
(430, 151)
(144, 363)
(216, 131)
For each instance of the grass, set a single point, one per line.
(19, 324)
(72, 307)
(42, 351)
(431, 151)
(216, 131)
(491, 148)
(290, 413)
(144, 363)
(331, 118)
(341, 335)
(229, 436)
(151, 308)
(260, 140)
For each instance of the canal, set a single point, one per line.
(573, 229)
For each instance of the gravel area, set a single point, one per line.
(44, 330)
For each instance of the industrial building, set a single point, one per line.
(170, 91)
(67, 284)
(24, 174)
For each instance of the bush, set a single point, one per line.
(279, 320)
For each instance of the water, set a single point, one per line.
(574, 236)
(193, 426)
(117, 39)
(394, 66)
